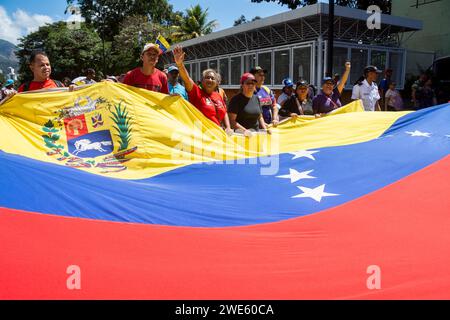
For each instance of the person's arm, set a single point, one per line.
(165, 84)
(377, 106)
(275, 119)
(262, 123)
(355, 92)
(179, 55)
(341, 84)
(234, 124)
(127, 79)
(226, 121)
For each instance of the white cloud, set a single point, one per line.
(20, 24)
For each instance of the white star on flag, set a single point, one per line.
(315, 193)
(303, 153)
(418, 133)
(294, 175)
(447, 135)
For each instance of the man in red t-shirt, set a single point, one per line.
(147, 76)
(41, 68)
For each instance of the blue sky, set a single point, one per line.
(19, 17)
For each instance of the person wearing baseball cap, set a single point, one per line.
(328, 99)
(266, 96)
(299, 103)
(244, 108)
(175, 87)
(287, 91)
(148, 76)
(367, 91)
(8, 90)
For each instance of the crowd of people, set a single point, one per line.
(255, 107)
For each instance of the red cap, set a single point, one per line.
(247, 76)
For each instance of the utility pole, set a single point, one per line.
(330, 46)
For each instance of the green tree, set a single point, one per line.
(107, 15)
(242, 19)
(134, 33)
(385, 5)
(70, 52)
(193, 24)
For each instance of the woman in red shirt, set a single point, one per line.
(204, 97)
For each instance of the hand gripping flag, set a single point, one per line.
(162, 43)
(151, 200)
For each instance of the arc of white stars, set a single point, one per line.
(418, 133)
(304, 153)
(295, 176)
(314, 193)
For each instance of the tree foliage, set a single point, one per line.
(193, 24)
(107, 15)
(385, 5)
(242, 19)
(70, 52)
(133, 34)
(111, 37)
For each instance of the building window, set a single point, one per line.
(282, 60)
(235, 70)
(340, 57)
(249, 62)
(195, 74)
(396, 64)
(378, 59)
(203, 66)
(302, 64)
(265, 62)
(359, 62)
(223, 70)
(213, 64)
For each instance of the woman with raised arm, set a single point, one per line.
(204, 96)
(328, 99)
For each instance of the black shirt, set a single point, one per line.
(291, 106)
(248, 110)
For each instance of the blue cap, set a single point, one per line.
(9, 82)
(172, 68)
(327, 79)
(288, 82)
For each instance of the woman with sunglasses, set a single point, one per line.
(245, 109)
(204, 96)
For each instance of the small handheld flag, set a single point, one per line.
(162, 43)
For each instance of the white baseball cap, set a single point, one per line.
(149, 46)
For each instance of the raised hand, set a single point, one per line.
(348, 65)
(178, 55)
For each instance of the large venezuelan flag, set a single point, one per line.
(152, 200)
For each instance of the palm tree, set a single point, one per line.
(193, 24)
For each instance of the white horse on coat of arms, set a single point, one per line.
(86, 144)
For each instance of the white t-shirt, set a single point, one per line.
(367, 93)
